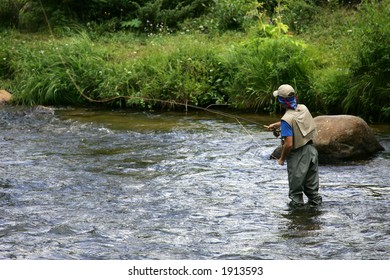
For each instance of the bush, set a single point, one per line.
(352, 76)
(262, 65)
(80, 72)
(50, 74)
(187, 75)
(165, 16)
(233, 14)
(369, 91)
(298, 14)
(9, 12)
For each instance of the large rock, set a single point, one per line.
(5, 96)
(342, 137)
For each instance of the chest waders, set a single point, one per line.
(302, 168)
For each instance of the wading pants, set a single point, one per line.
(302, 168)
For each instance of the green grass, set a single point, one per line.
(339, 63)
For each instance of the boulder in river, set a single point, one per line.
(342, 137)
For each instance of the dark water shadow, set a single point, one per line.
(302, 221)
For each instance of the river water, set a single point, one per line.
(93, 184)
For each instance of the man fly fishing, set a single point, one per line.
(297, 129)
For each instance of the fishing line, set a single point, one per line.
(171, 102)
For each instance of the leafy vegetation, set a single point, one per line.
(151, 54)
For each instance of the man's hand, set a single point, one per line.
(272, 126)
(269, 127)
(280, 162)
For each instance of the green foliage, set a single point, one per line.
(9, 12)
(233, 14)
(102, 16)
(352, 60)
(342, 68)
(330, 87)
(369, 91)
(266, 26)
(298, 14)
(50, 74)
(165, 16)
(6, 68)
(187, 75)
(259, 66)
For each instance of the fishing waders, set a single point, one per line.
(302, 168)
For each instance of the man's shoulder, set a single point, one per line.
(302, 107)
(288, 116)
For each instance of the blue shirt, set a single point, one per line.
(285, 129)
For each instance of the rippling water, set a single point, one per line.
(84, 184)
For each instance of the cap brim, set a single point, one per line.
(275, 93)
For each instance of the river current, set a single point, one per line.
(94, 184)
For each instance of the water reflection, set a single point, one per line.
(303, 221)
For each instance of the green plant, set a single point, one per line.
(260, 65)
(51, 74)
(187, 75)
(266, 26)
(369, 91)
(233, 14)
(9, 12)
(298, 14)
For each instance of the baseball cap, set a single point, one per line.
(284, 91)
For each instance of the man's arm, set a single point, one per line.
(286, 149)
(272, 126)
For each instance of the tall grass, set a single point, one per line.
(339, 64)
(259, 66)
(64, 71)
(189, 73)
(197, 70)
(352, 73)
(46, 69)
(369, 91)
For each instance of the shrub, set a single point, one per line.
(81, 72)
(369, 90)
(233, 14)
(9, 12)
(298, 14)
(259, 66)
(187, 74)
(50, 74)
(163, 15)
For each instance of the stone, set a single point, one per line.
(343, 137)
(5, 96)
